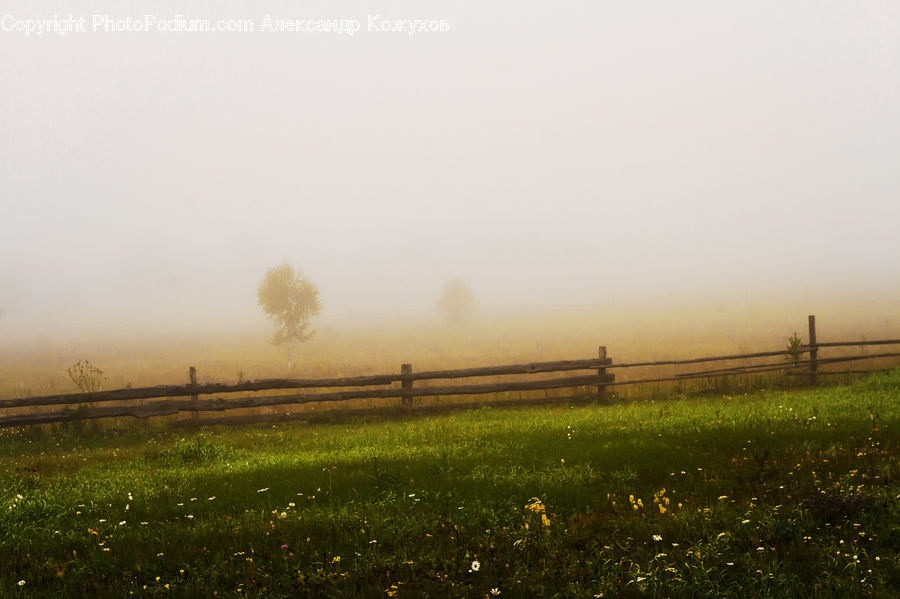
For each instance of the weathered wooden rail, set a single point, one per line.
(173, 399)
(406, 392)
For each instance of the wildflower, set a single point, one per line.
(336, 559)
(545, 520)
(476, 565)
(211, 498)
(122, 523)
(262, 490)
(284, 546)
(657, 537)
(495, 591)
(21, 583)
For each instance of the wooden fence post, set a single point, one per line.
(192, 373)
(406, 384)
(601, 389)
(813, 353)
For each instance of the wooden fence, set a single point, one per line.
(170, 399)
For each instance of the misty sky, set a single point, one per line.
(573, 152)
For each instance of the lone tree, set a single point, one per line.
(457, 302)
(290, 300)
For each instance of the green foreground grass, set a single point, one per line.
(769, 494)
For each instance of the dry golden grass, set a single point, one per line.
(630, 333)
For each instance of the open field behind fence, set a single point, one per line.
(410, 389)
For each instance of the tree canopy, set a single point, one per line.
(290, 300)
(457, 302)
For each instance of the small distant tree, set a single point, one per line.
(794, 349)
(86, 376)
(457, 302)
(290, 300)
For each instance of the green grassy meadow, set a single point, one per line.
(792, 493)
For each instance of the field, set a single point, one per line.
(35, 364)
(768, 494)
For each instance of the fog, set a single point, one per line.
(579, 153)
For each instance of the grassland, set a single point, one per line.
(768, 494)
(36, 365)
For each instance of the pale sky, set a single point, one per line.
(563, 153)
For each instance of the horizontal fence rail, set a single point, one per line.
(174, 399)
(859, 343)
(271, 384)
(407, 392)
(169, 407)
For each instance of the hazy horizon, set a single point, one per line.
(604, 153)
